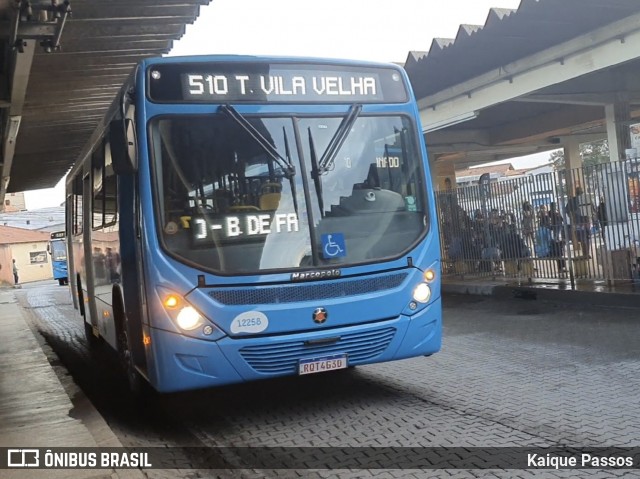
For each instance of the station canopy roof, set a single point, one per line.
(510, 49)
(59, 97)
(56, 97)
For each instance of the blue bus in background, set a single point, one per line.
(58, 251)
(237, 218)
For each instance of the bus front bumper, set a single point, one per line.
(182, 363)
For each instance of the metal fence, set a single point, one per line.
(571, 224)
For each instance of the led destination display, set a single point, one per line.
(238, 82)
(241, 226)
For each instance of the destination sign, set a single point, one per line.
(241, 226)
(58, 235)
(274, 83)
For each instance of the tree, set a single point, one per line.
(557, 159)
(588, 174)
(591, 153)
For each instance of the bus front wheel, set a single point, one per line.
(137, 384)
(92, 340)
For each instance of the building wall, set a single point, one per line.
(6, 275)
(33, 261)
(14, 202)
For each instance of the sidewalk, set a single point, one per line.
(587, 293)
(35, 409)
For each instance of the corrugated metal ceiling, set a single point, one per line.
(507, 36)
(70, 90)
(533, 121)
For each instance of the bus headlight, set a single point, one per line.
(422, 293)
(189, 319)
(429, 275)
(185, 318)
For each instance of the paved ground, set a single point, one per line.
(512, 373)
(40, 405)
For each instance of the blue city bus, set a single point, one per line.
(236, 218)
(58, 251)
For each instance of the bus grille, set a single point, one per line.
(307, 292)
(282, 358)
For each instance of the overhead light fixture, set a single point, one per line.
(13, 125)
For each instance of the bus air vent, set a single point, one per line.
(282, 358)
(307, 292)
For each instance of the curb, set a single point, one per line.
(83, 409)
(544, 293)
(480, 289)
(608, 299)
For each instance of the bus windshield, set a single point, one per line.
(245, 194)
(58, 250)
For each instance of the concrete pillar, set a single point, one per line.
(617, 116)
(612, 134)
(572, 161)
(444, 175)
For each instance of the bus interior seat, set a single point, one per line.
(270, 195)
(239, 208)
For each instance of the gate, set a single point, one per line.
(581, 224)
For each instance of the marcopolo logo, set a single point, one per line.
(317, 274)
(320, 315)
(23, 458)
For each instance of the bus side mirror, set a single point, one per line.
(123, 144)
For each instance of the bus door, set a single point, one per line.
(91, 315)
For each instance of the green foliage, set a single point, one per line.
(591, 153)
(557, 159)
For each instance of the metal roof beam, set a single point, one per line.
(117, 29)
(108, 11)
(22, 60)
(28, 31)
(588, 99)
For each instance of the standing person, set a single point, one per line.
(528, 220)
(556, 221)
(579, 210)
(15, 272)
(601, 214)
(557, 242)
(544, 220)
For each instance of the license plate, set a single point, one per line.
(322, 364)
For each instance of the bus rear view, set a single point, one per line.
(286, 221)
(58, 251)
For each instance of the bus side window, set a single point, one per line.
(77, 205)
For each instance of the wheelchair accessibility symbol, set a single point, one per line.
(333, 245)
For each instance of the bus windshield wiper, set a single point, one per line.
(292, 183)
(315, 172)
(285, 164)
(329, 155)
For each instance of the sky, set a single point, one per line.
(373, 30)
